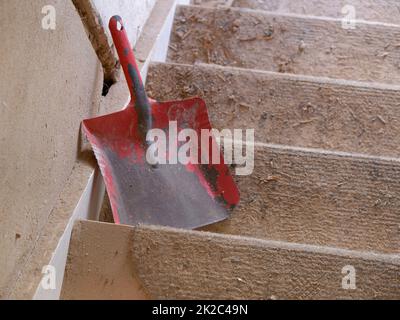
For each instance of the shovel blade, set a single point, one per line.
(176, 195)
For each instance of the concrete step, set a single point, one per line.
(289, 109)
(320, 198)
(286, 43)
(302, 195)
(162, 263)
(374, 10)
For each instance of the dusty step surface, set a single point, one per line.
(319, 198)
(374, 10)
(286, 43)
(289, 109)
(162, 263)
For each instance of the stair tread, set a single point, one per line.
(373, 10)
(319, 197)
(289, 109)
(200, 265)
(341, 198)
(286, 43)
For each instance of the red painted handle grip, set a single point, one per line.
(127, 60)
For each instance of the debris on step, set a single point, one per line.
(373, 10)
(319, 197)
(286, 43)
(287, 109)
(302, 46)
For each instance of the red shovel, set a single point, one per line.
(183, 195)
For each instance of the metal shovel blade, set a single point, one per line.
(183, 195)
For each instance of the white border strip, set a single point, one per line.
(87, 208)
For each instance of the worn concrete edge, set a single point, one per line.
(294, 15)
(260, 243)
(94, 190)
(322, 152)
(308, 152)
(286, 76)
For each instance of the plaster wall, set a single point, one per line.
(50, 81)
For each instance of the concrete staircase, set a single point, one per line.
(323, 201)
(324, 103)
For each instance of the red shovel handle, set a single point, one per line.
(127, 60)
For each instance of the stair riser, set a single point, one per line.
(317, 198)
(212, 267)
(374, 10)
(259, 40)
(176, 264)
(289, 110)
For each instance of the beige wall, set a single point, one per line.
(133, 12)
(50, 81)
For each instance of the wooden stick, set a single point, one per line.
(95, 30)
